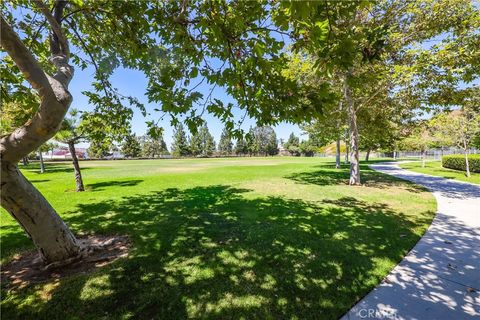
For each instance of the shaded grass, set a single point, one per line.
(228, 241)
(435, 168)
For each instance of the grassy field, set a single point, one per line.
(270, 238)
(435, 168)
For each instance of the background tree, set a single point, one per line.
(293, 145)
(251, 142)
(462, 126)
(307, 148)
(420, 139)
(262, 141)
(202, 143)
(241, 147)
(47, 146)
(98, 149)
(180, 145)
(131, 148)
(225, 145)
(153, 145)
(320, 89)
(72, 133)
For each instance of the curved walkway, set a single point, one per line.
(440, 276)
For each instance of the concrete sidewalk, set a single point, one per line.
(440, 277)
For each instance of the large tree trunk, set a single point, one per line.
(76, 168)
(337, 154)
(354, 138)
(36, 216)
(20, 198)
(42, 165)
(367, 156)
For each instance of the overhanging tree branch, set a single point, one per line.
(23, 58)
(55, 25)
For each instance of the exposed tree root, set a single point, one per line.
(96, 251)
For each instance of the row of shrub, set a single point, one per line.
(457, 162)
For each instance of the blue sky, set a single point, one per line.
(134, 83)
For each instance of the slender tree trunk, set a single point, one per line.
(76, 168)
(394, 155)
(467, 163)
(367, 156)
(32, 211)
(25, 161)
(354, 137)
(337, 154)
(423, 158)
(347, 152)
(42, 165)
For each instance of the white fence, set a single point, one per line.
(432, 154)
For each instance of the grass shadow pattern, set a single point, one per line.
(325, 176)
(217, 252)
(98, 186)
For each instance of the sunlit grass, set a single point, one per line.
(435, 168)
(223, 238)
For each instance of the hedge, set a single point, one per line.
(457, 162)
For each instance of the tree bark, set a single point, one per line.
(423, 158)
(76, 168)
(36, 216)
(54, 241)
(367, 156)
(347, 152)
(42, 165)
(337, 154)
(467, 163)
(354, 137)
(25, 161)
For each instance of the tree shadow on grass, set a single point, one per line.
(216, 252)
(38, 180)
(327, 175)
(51, 167)
(98, 186)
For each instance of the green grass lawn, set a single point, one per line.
(435, 168)
(268, 238)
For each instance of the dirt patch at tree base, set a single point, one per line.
(28, 268)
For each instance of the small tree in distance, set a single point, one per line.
(202, 143)
(420, 139)
(461, 126)
(225, 145)
(131, 147)
(180, 146)
(241, 147)
(293, 145)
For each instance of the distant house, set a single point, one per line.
(282, 151)
(63, 153)
(115, 155)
